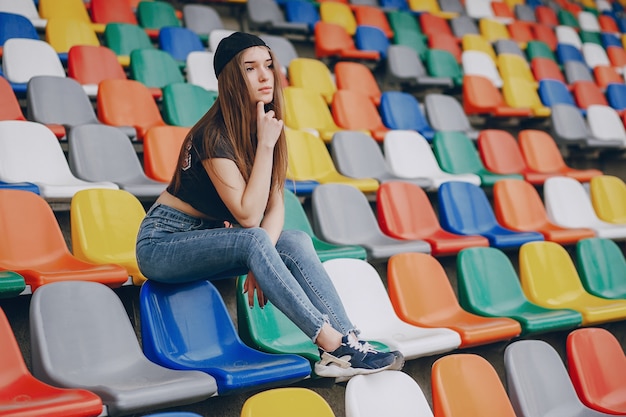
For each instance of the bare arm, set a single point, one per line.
(249, 201)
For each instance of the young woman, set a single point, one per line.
(222, 214)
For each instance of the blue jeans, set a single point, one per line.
(174, 247)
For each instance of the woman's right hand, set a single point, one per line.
(268, 126)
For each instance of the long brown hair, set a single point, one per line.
(228, 122)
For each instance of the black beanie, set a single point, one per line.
(231, 46)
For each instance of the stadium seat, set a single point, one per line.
(338, 13)
(123, 38)
(357, 76)
(616, 96)
(400, 110)
(492, 29)
(595, 55)
(457, 154)
(310, 160)
(15, 26)
(217, 349)
(518, 206)
(106, 11)
(10, 108)
(522, 93)
(184, 103)
(369, 15)
(463, 25)
(446, 113)
(296, 218)
(404, 212)
(377, 319)
(12, 284)
(302, 12)
(475, 42)
(63, 33)
(404, 67)
(566, 53)
(67, 9)
(442, 64)
(480, 63)
(546, 16)
(488, 285)
(333, 41)
(587, 93)
(24, 59)
(154, 15)
(358, 155)
(521, 33)
(545, 34)
(422, 295)
(128, 103)
(553, 92)
(482, 97)
(372, 38)
(104, 226)
(546, 69)
(541, 154)
(99, 153)
(550, 279)
(44, 165)
(409, 155)
(539, 49)
(179, 42)
(501, 154)
(199, 70)
(466, 384)
(34, 247)
(479, 218)
(154, 68)
(202, 19)
(26, 8)
(599, 262)
(306, 109)
(605, 124)
(286, 402)
(314, 75)
(596, 365)
(575, 71)
(608, 194)
(343, 216)
(570, 128)
(267, 16)
(90, 64)
(36, 398)
(352, 110)
(407, 31)
(161, 148)
(283, 49)
(81, 330)
(385, 392)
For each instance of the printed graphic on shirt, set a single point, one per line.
(187, 157)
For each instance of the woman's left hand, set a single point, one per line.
(249, 287)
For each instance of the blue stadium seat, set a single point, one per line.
(371, 38)
(401, 110)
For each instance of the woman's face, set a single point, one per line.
(258, 67)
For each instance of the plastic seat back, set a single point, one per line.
(475, 42)
(81, 335)
(184, 103)
(308, 157)
(569, 125)
(540, 152)
(154, 68)
(64, 9)
(500, 152)
(463, 25)
(538, 382)
(306, 109)
(371, 38)
(312, 74)
(576, 71)
(155, 15)
(518, 205)
(62, 34)
(588, 93)
(179, 42)
(479, 63)
(373, 15)
(402, 396)
(601, 263)
(302, 12)
(596, 365)
(457, 154)
(521, 93)
(467, 385)
(539, 49)
(187, 326)
(378, 320)
(440, 63)
(357, 76)
(286, 402)
(568, 204)
(409, 155)
(43, 95)
(401, 110)
(445, 112)
(493, 30)
(353, 111)
(199, 70)
(407, 31)
(616, 96)
(404, 211)
(283, 49)
(161, 150)
(128, 103)
(339, 14)
(105, 11)
(464, 209)
(552, 92)
(201, 18)
(122, 38)
(605, 124)
(10, 108)
(37, 398)
(16, 26)
(23, 59)
(608, 196)
(44, 165)
(99, 152)
(24, 8)
(90, 64)
(104, 226)
(595, 55)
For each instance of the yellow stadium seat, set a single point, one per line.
(550, 279)
(521, 93)
(68, 9)
(608, 196)
(307, 110)
(475, 42)
(339, 14)
(286, 402)
(492, 29)
(312, 74)
(514, 66)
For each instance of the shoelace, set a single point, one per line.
(362, 346)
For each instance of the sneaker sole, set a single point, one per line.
(333, 371)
